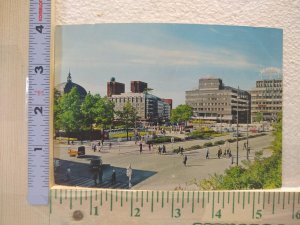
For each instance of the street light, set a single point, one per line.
(247, 134)
(237, 128)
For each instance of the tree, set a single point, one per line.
(69, 117)
(127, 116)
(260, 173)
(56, 109)
(105, 112)
(89, 109)
(181, 113)
(97, 111)
(259, 116)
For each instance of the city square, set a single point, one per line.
(201, 108)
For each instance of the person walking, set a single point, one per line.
(185, 160)
(129, 175)
(68, 174)
(95, 178)
(207, 153)
(141, 147)
(164, 149)
(113, 177)
(149, 145)
(100, 175)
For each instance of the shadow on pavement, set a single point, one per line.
(82, 176)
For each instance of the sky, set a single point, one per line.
(171, 58)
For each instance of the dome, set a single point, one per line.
(66, 87)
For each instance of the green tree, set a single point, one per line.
(105, 112)
(68, 115)
(56, 109)
(89, 109)
(127, 116)
(259, 116)
(181, 113)
(260, 173)
(97, 111)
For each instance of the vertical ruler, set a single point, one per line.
(38, 101)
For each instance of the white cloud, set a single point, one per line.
(271, 71)
(188, 56)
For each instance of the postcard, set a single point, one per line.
(168, 107)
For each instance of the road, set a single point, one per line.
(150, 169)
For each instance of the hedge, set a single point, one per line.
(163, 139)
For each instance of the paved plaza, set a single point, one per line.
(150, 169)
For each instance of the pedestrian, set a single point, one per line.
(149, 146)
(68, 174)
(164, 149)
(229, 154)
(109, 145)
(95, 178)
(207, 153)
(102, 141)
(99, 143)
(129, 175)
(245, 147)
(113, 177)
(141, 147)
(159, 149)
(100, 175)
(56, 164)
(181, 150)
(94, 147)
(185, 160)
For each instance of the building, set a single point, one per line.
(168, 101)
(138, 86)
(266, 99)
(115, 88)
(214, 101)
(149, 108)
(66, 87)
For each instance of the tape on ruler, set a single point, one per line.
(38, 101)
(91, 206)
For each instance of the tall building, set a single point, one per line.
(149, 108)
(266, 99)
(66, 87)
(114, 88)
(169, 101)
(138, 86)
(214, 101)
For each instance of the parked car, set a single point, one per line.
(78, 153)
(235, 134)
(95, 164)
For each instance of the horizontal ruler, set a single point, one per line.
(91, 206)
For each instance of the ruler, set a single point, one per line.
(38, 101)
(91, 206)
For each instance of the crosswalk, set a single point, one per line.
(88, 182)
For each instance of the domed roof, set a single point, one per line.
(66, 87)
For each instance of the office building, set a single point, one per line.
(214, 101)
(266, 100)
(114, 88)
(138, 86)
(150, 108)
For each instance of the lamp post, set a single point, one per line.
(247, 134)
(237, 128)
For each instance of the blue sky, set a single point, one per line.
(169, 57)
